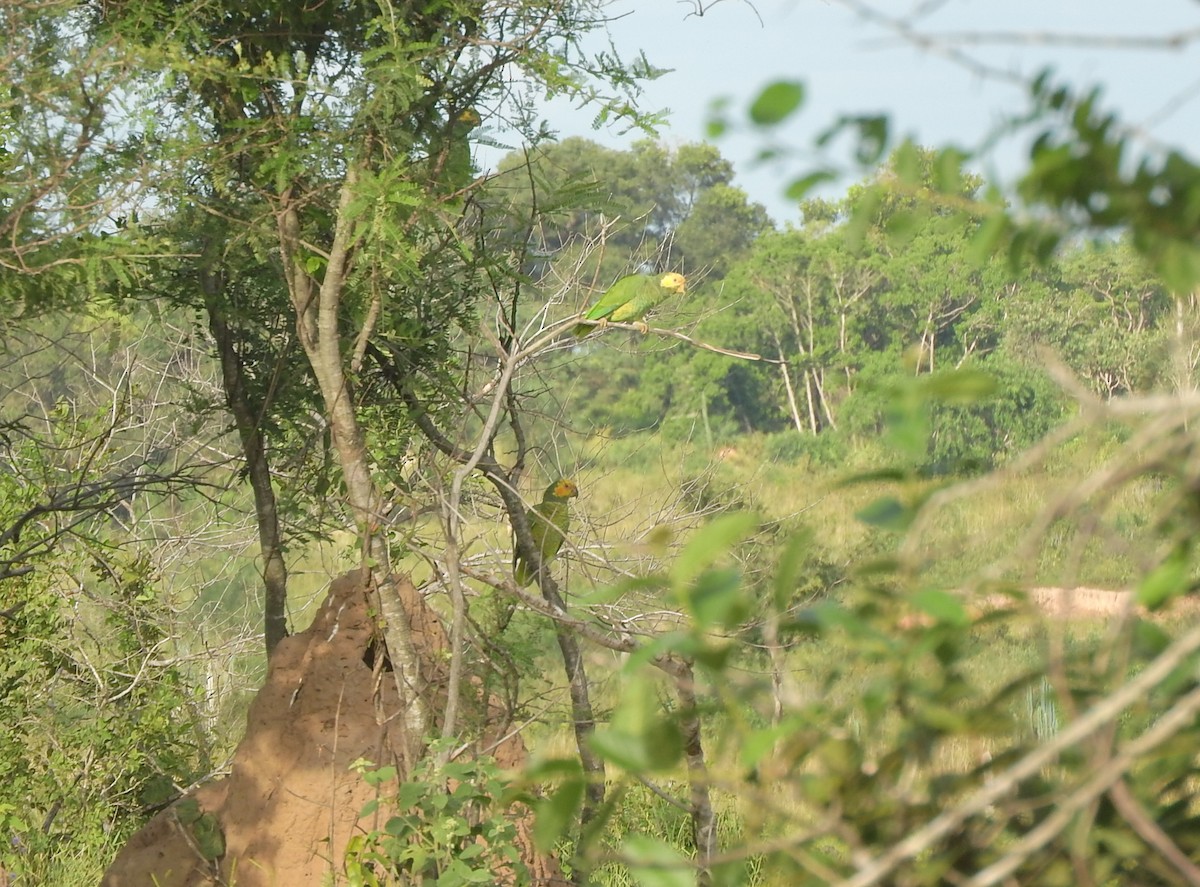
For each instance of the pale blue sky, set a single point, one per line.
(852, 66)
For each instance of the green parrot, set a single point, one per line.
(450, 155)
(627, 300)
(458, 169)
(548, 522)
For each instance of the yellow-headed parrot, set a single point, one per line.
(450, 153)
(548, 523)
(627, 300)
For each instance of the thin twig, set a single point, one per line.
(1100, 714)
(1174, 719)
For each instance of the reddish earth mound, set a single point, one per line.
(283, 816)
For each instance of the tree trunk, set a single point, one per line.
(788, 388)
(791, 396)
(583, 719)
(811, 400)
(704, 820)
(819, 384)
(247, 420)
(317, 310)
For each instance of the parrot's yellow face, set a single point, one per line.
(566, 489)
(673, 282)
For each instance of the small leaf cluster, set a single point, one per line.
(453, 824)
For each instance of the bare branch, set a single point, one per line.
(1097, 717)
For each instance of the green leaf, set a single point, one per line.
(862, 217)
(658, 748)
(715, 599)
(798, 189)
(1149, 639)
(947, 171)
(904, 224)
(711, 542)
(787, 570)
(829, 614)
(655, 863)
(549, 767)
(718, 117)
(1179, 266)
(987, 240)
(886, 512)
(409, 794)
(873, 132)
(757, 744)
(778, 101)
(641, 737)
(960, 386)
(377, 777)
(554, 814)
(939, 717)
(731, 873)
(621, 749)
(943, 606)
(907, 163)
(1168, 580)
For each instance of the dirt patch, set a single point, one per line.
(1089, 603)
(284, 814)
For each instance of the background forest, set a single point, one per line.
(265, 322)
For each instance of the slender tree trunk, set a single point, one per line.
(317, 314)
(811, 400)
(583, 719)
(791, 395)
(788, 388)
(704, 820)
(819, 382)
(1183, 371)
(247, 420)
(259, 472)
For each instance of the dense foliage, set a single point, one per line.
(840, 313)
(259, 283)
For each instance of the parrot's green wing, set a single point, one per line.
(621, 301)
(549, 521)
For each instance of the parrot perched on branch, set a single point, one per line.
(452, 157)
(627, 300)
(548, 522)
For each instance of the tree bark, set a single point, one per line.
(791, 395)
(788, 388)
(704, 820)
(247, 420)
(317, 310)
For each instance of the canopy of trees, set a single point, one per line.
(264, 321)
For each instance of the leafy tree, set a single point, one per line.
(1105, 316)
(673, 209)
(69, 175)
(102, 725)
(310, 172)
(327, 146)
